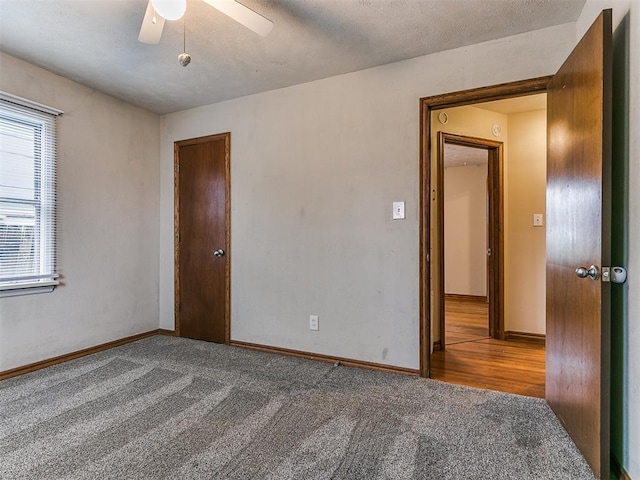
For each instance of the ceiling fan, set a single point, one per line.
(160, 10)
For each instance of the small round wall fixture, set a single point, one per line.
(443, 118)
(496, 130)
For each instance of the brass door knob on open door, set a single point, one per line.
(219, 253)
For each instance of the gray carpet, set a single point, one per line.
(173, 408)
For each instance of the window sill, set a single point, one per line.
(27, 288)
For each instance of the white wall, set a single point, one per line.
(465, 230)
(108, 200)
(315, 168)
(625, 10)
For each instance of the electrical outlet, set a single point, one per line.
(313, 322)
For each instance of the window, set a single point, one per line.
(27, 196)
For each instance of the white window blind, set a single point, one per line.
(27, 194)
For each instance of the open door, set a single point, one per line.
(578, 235)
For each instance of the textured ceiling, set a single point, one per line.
(462, 156)
(94, 42)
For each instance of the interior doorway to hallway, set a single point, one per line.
(510, 356)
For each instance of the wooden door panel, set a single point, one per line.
(578, 192)
(202, 224)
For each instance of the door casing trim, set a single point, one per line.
(176, 230)
(427, 105)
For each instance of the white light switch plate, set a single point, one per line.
(537, 220)
(398, 210)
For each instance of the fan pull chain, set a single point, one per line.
(184, 58)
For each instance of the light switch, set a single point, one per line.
(537, 219)
(398, 210)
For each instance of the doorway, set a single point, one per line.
(428, 184)
(202, 238)
(464, 317)
(468, 242)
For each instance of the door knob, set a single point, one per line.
(584, 272)
(219, 253)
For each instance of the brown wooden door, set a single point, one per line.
(202, 228)
(578, 235)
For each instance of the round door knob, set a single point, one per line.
(584, 272)
(219, 253)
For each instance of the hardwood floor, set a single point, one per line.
(472, 358)
(465, 320)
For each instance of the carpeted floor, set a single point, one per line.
(167, 407)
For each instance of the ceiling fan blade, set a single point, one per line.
(152, 25)
(243, 15)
